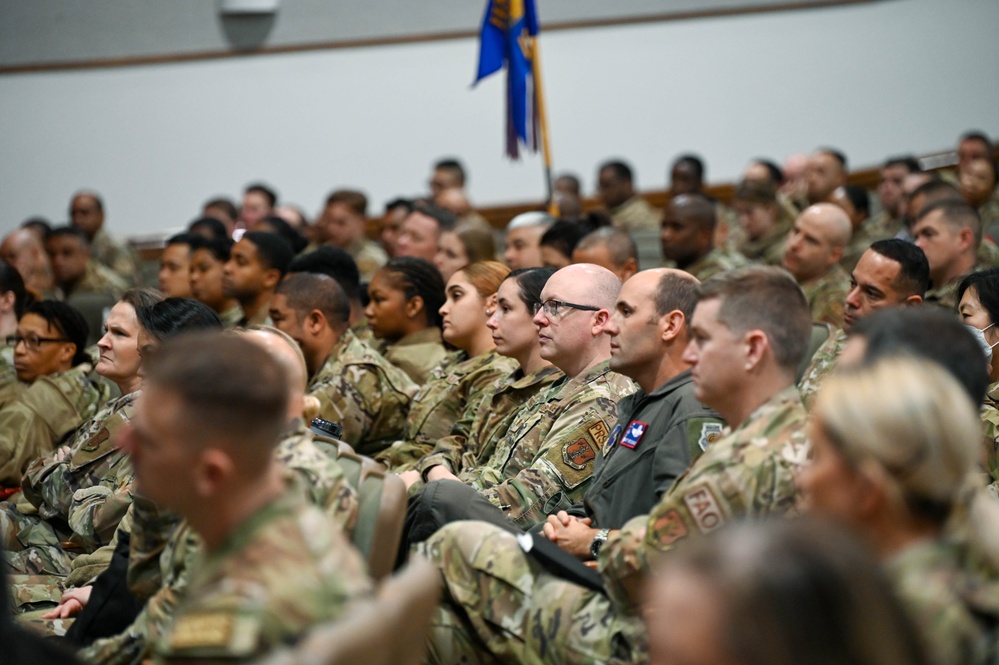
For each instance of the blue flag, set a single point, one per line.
(507, 38)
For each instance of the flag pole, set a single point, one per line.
(546, 150)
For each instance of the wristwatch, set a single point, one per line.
(598, 542)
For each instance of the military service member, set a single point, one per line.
(891, 273)
(949, 233)
(749, 333)
(764, 223)
(356, 387)
(202, 444)
(76, 273)
(258, 262)
(812, 256)
(687, 236)
(523, 240)
(661, 427)
(824, 172)
(208, 259)
(174, 276)
(615, 189)
(86, 212)
(608, 248)
(343, 224)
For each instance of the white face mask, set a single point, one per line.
(979, 335)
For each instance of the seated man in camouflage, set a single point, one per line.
(56, 395)
(749, 332)
(356, 387)
(687, 237)
(544, 461)
(202, 442)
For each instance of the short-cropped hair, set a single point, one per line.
(306, 291)
(67, 321)
(913, 278)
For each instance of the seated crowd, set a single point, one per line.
(779, 444)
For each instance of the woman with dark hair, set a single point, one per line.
(978, 306)
(208, 259)
(172, 316)
(473, 438)
(54, 392)
(461, 381)
(777, 593)
(404, 298)
(90, 461)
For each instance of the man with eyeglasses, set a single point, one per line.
(545, 460)
(58, 395)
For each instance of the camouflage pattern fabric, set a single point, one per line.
(823, 363)
(115, 256)
(472, 443)
(545, 460)
(955, 611)
(417, 354)
(990, 421)
(44, 414)
(715, 262)
(882, 225)
(860, 241)
(231, 317)
(362, 391)
(282, 570)
(946, 295)
(988, 252)
(768, 249)
(635, 214)
(10, 387)
(98, 278)
(452, 390)
(369, 257)
(826, 295)
(502, 607)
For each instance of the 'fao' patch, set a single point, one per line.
(634, 433)
(704, 508)
(578, 454)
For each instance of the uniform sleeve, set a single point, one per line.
(562, 467)
(24, 437)
(346, 399)
(683, 442)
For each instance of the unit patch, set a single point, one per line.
(634, 433)
(598, 431)
(578, 454)
(201, 630)
(710, 432)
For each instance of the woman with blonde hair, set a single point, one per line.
(464, 378)
(894, 458)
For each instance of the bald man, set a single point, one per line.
(23, 250)
(609, 248)
(687, 237)
(544, 462)
(812, 255)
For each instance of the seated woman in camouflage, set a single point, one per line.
(51, 522)
(55, 392)
(462, 380)
(404, 297)
(978, 306)
(897, 466)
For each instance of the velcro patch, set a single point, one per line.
(598, 431)
(704, 508)
(710, 432)
(94, 442)
(634, 433)
(201, 630)
(669, 528)
(612, 439)
(578, 454)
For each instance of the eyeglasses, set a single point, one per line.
(552, 307)
(32, 342)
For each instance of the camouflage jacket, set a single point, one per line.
(946, 295)
(544, 461)
(279, 572)
(417, 354)
(955, 611)
(43, 415)
(359, 389)
(98, 278)
(231, 317)
(768, 249)
(369, 257)
(823, 363)
(454, 388)
(635, 214)
(747, 473)
(826, 294)
(715, 262)
(472, 441)
(860, 241)
(115, 256)
(990, 421)
(10, 387)
(164, 550)
(883, 225)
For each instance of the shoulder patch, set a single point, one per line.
(578, 454)
(705, 432)
(202, 630)
(598, 431)
(669, 528)
(634, 433)
(612, 439)
(704, 508)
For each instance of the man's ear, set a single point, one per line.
(600, 320)
(757, 344)
(314, 322)
(672, 324)
(211, 470)
(272, 278)
(967, 237)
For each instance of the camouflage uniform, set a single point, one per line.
(954, 610)
(990, 420)
(114, 255)
(231, 317)
(945, 296)
(454, 388)
(164, 550)
(988, 253)
(544, 461)
(369, 257)
(520, 613)
(10, 387)
(884, 226)
(98, 278)
(768, 249)
(417, 354)
(826, 294)
(359, 389)
(472, 443)
(860, 242)
(73, 505)
(282, 570)
(260, 318)
(823, 363)
(715, 262)
(988, 212)
(635, 214)
(43, 415)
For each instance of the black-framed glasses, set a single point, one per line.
(32, 342)
(552, 307)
